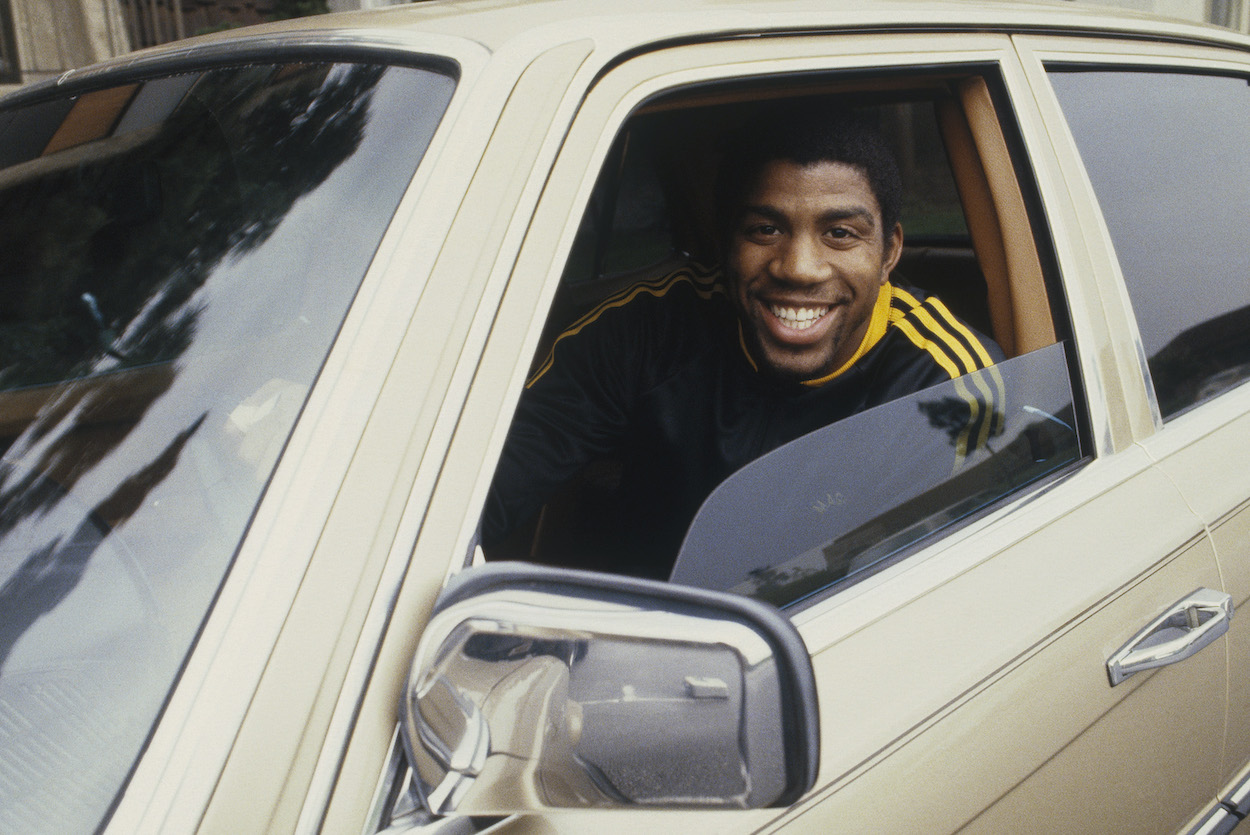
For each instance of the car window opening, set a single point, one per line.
(968, 239)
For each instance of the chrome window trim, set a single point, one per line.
(1239, 798)
(1217, 822)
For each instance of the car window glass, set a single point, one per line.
(168, 294)
(844, 499)
(1172, 185)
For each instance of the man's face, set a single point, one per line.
(807, 257)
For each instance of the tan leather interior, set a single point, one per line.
(997, 219)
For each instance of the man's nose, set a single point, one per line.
(802, 261)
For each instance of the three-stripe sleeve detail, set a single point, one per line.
(931, 327)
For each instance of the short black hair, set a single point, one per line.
(807, 132)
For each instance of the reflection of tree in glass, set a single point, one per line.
(781, 586)
(952, 416)
(99, 260)
(1202, 361)
(87, 419)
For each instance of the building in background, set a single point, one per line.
(43, 38)
(8, 46)
(1233, 14)
(152, 22)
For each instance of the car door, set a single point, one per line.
(963, 682)
(1186, 159)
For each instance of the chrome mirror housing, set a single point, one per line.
(537, 688)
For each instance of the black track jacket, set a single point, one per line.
(659, 378)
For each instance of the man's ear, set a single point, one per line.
(893, 251)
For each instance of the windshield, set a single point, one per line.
(847, 498)
(176, 257)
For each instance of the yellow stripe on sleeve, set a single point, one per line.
(934, 350)
(704, 284)
(956, 348)
(953, 322)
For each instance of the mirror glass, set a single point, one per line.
(528, 699)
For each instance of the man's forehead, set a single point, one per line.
(828, 187)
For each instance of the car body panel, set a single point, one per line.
(498, 25)
(1027, 599)
(937, 677)
(1188, 555)
(1188, 446)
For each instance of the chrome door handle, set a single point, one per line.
(1186, 627)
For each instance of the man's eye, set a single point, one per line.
(840, 232)
(760, 232)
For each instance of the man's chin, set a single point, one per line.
(792, 366)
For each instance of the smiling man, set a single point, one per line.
(687, 378)
(806, 262)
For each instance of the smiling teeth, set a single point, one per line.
(799, 318)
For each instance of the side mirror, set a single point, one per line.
(537, 688)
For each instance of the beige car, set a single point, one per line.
(268, 300)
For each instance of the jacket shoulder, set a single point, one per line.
(927, 324)
(664, 307)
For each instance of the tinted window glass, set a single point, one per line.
(1169, 160)
(174, 265)
(846, 498)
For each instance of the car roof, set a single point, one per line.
(495, 23)
(530, 27)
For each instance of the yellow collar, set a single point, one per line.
(877, 326)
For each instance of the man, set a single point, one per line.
(687, 378)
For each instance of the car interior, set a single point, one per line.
(968, 232)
